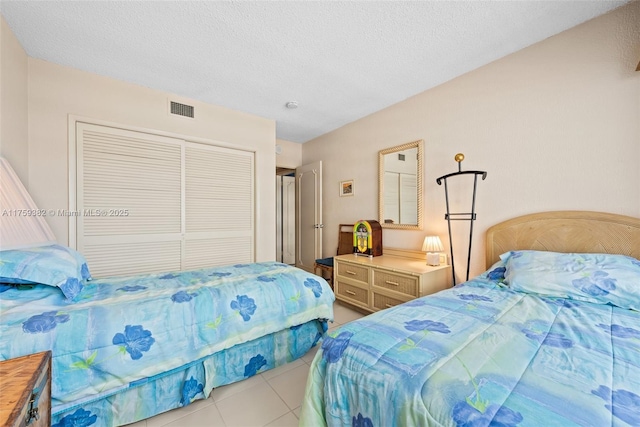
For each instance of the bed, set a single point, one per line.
(125, 349)
(128, 348)
(548, 335)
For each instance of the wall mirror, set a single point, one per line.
(400, 186)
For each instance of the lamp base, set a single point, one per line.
(433, 259)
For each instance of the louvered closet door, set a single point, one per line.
(219, 206)
(134, 180)
(166, 204)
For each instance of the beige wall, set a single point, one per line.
(290, 156)
(55, 92)
(556, 126)
(13, 103)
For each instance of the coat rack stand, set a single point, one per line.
(466, 216)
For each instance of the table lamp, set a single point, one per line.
(432, 246)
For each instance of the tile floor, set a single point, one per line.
(276, 395)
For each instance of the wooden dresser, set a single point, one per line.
(25, 390)
(381, 282)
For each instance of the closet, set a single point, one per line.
(148, 202)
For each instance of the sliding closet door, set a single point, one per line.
(129, 200)
(148, 203)
(219, 196)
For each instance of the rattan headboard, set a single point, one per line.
(565, 231)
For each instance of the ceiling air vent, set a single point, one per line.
(182, 109)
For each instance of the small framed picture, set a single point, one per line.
(346, 188)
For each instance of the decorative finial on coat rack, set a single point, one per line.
(459, 158)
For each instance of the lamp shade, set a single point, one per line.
(432, 244)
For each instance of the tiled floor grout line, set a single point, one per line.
(283, 401)
(224, 423)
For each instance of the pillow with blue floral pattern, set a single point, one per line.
(598, 278)
(51, 265)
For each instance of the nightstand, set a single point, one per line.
(25, 387)
(384, 281)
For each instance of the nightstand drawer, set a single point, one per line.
(382, 301)
(353, 272)
(353, 293)
(404, 284)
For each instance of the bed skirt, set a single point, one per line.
(194, 381)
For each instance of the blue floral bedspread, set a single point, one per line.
(480, 354)
(119, 332)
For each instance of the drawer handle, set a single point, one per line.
(353, 273)
(389, 282)
(349, 292)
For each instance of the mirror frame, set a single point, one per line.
(419, 144)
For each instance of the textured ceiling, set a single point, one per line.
(340, 60)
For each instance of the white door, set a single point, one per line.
(309, 200)
(286, 219)
(279, 218)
